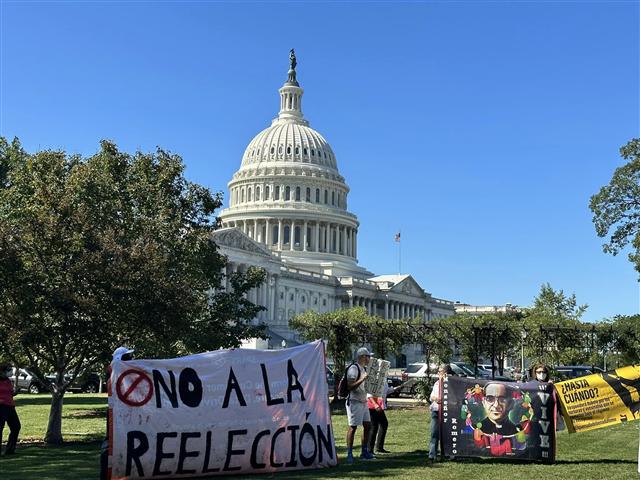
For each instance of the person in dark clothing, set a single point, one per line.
(8, 412)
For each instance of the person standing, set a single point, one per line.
(379, 422)
(436, 402)
(8, 412)
(357, 411)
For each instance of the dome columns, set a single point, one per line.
(285, 234)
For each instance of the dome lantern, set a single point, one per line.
(291, 96)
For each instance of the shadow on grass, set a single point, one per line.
(72, 461)
(69, 399)
(87, 413)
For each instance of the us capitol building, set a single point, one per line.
(288, 214)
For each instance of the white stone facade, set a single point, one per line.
(288, 214)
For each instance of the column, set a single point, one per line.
(404, 310)
(344, 240)
(386, 309)
(292, 235)
(327, 239)
(280, 233)
(304, 238)
(350, 301)
(257, 236)
(355, 244)
(267, 233)
(274, 298)
(316, 246)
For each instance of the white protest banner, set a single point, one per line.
(224, 412)
(377, 370)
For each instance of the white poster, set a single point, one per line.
(224, 412)
(377, 370)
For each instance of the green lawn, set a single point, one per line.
(607, 453)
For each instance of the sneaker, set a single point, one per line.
(382, 450)
(349, 459)
(367, 455)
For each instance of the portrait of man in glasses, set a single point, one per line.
(497, 402)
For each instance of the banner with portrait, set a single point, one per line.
(487, 418)
(602, 399)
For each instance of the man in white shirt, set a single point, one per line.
(357, 411)
(436, 401)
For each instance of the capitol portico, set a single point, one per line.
(288, 214)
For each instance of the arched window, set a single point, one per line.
(287, 235)
(308, 197)
(326, 197)
(277, 193)
(296, 236)
(297, 194)
(317, 195)
(297, 150)
(287, 193)
(266, 192)
(305, 151)
(333, 198)
(288, 150)
(280, 149)
(257, 194)
(273, 150)
(275, 231)
(249, 194)
(242, 196)
(313, 152)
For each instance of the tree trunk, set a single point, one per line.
(54, 427)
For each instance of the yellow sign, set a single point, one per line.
(601, 399)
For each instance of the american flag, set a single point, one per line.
(397, 237)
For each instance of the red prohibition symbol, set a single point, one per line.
(134, 388)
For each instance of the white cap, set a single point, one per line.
(363, 352)
(120, 351)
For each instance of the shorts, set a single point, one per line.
(357, 413)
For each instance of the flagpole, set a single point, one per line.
(400, 252)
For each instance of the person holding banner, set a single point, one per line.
(357, 411)
(540, 373)
(379, 422)
(436, 400)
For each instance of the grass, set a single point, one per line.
(610, 453)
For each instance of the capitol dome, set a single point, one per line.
(289, 195)
(286, 141)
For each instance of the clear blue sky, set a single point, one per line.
(480, 129)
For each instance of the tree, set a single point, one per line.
(616, 207)
(340, 329)
(114, 248)
(492, 335)
(554, 332)
(624, 338)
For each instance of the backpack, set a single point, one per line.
(343, 386)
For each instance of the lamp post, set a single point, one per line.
(523, 336)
